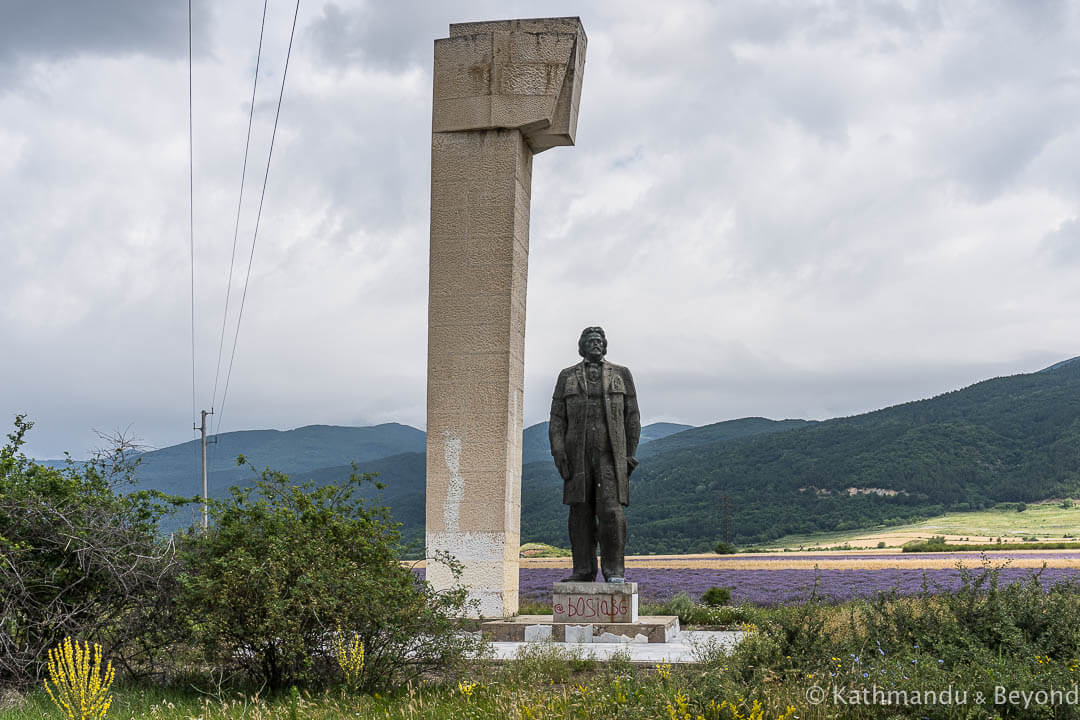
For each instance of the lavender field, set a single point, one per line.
(781, 586)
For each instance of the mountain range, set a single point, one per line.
(1008, 439)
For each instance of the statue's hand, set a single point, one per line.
(564, 469)
(631, 463)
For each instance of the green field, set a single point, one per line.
(1048, 521)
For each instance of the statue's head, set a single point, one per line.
(592, 345)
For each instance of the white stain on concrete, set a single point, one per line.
(482, 555)
(513, 480)
(455, 493)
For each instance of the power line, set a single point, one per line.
(258, 215)
(191, 212)
(239, 205)
(191, 215)
(236, 227)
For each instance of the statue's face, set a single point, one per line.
(594, 347)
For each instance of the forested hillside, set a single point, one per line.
(1003, 440)
(1008, 439)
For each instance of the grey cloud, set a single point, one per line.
(386, 35)
(987, 152)
(778, 390)
(400, 34)
(777, 176)
(53, 29)
(1063, 244)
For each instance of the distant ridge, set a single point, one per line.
(1071, 362)
(1008, 439)
(172, 470)
(719, 432)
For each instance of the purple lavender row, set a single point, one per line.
(843, 555)
(783, 586)
(776, 587)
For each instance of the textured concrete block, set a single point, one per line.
(542, 47)
(529, 79)
(537, 633)
(530, 71)
(578, 634)
(462, 113)
(530, 25)
(467, 50)
(648, 629)
(608, 637)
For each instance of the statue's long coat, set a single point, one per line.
(567, 426)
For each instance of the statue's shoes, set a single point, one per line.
(616, 580)
(580, 577)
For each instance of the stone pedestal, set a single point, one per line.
(540, 628)
(593, 602)
(503, 91)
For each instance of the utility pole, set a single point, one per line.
(202, 428)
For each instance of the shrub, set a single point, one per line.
(725, 548)
(981, 618)
(716, 596)
(284, 565)
(692, 613)
(78, 558)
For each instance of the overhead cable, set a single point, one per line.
(258, 217)
(239, 205)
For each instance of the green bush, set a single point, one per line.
(725, 548)
(78, 558)
(284, 565)
(716, 596)
(692, 613)
(1021, 620)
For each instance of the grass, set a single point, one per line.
(1019, 638)
(1047, 521)
(980, 641)
(543, 550)
(545, 681)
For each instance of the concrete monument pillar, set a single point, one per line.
(503, 91)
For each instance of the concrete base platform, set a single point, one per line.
(532, 628)
(690, 646)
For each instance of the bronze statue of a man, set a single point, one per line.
(594, 431)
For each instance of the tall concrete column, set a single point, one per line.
(503, 91)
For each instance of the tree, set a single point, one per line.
(78, 558)
(284, 566)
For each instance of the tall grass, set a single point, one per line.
(1021, 638)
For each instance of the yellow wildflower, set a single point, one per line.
(76, 682)
(467, 689)
(350, 657)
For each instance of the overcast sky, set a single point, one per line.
(787, 209)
